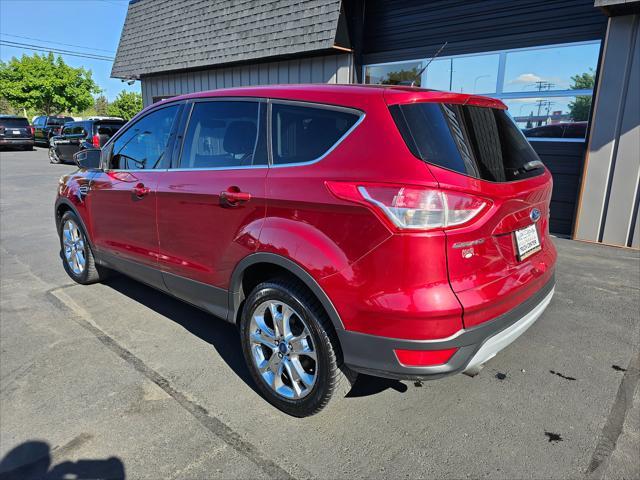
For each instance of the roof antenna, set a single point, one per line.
(419, 74)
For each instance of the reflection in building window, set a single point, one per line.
(548, 89)
(394, 74)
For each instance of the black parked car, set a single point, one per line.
(15, 132)
(76, 136)
(558, 130)
(45, 127)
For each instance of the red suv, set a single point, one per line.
(393, 231)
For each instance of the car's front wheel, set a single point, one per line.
(291, 350)
(77, 257)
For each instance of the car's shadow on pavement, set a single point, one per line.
(223, 336)
(34, 459)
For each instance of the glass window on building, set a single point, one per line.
(551, 68)
(394, 74)
(551, 117)
(548, 89)
(467, 74)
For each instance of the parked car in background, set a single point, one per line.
(77, 136)
(45, 127)
(392, 231)
(15, 132)
(558, 130)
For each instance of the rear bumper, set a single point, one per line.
(21, 142)
(375, 355)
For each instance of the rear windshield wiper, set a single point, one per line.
(532, 165)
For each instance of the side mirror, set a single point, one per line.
(88, 159)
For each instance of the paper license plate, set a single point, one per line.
(527, 241)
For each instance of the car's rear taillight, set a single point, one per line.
(95, 141)
(413, 207)
(32, 129)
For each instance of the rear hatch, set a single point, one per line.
(505, 255)
(14, 128)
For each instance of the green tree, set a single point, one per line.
(101, 106)
(402, 77)
(46, 84)
(126, 105)
(5, 107)
(579, 108)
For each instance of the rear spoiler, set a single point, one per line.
(396, 96)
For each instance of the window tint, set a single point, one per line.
(107, 130)
(225, 134)
(143, 145)
(77, 130)
(14, 122)
(303, 134)
(68, 130)
(476, 141)
(58, 121)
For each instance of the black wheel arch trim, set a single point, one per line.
(64, 201)
(236, 293)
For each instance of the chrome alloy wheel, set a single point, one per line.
(74, 252)
(282, 349)
(53, 156)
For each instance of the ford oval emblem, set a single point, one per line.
(535, 215)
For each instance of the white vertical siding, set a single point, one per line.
(325, 69)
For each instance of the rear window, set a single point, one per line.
(480, 142)
(302, 134)
(107, 129)
(58, 120)
(14, 122)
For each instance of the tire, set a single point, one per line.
(53, 156)
(74, 246)
(309, 334)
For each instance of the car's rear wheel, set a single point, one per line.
(291, 350)
(77, 257)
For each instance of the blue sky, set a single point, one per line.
(91, 24)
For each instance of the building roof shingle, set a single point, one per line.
(165, 35)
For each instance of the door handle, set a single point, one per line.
(140, 190)
(233, 196)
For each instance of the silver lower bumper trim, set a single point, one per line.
(502, 339)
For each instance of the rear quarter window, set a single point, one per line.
(302, 134)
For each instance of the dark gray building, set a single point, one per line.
(567, 69)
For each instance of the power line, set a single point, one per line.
(57, 43)
(42, 48)
(30, 46)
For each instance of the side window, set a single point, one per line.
(302, 134)
(225, 134)
(77, 130)
(143, 145)
(68, 130)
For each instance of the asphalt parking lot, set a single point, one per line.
(116, 378)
